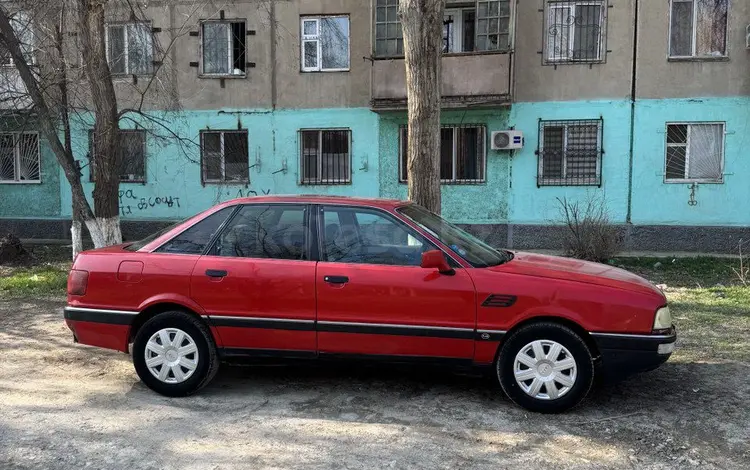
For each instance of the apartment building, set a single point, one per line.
(644, 104)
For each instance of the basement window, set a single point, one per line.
(223, 48)
(132, 149)
(19, 157)
(695, 153)
(325, 44)
(698, 29)
(326, 156)
(570, 153)
(224, 157)
(130, 48)
(463, 154)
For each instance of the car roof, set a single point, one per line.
(319, 199)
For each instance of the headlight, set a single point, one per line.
(663, 319)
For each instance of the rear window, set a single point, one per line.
(135, 246)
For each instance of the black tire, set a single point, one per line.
(207, 361)
(504, 367)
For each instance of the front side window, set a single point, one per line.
(325, 156)
(570, 153)
(195, 239)
(132, 149)
(23, 27)
(574, 31)
(265, 231)
(224, 156)
(130, 49)
(358, 235)
(483, 25)
(223, 48)
(695, 152)
(19, 157)
(698, 28)
(462, 154)
(325, 43)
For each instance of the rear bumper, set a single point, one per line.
(108, 329)
(623, 355)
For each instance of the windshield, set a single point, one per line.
(135, 246)
(470, 248)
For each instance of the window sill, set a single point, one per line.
(216, 76)
(455, 182)
(562, 182)
(325, 71)
(691, 181)
(449, 54)
(21, 182)
(324, 183)
(132, 181)
(227, 183)
(699, 59)
(555, 63)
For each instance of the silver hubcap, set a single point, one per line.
(545, 369)
(171, 355)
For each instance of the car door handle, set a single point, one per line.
(336, 279)
(216, 273)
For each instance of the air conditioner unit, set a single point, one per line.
(507, 140)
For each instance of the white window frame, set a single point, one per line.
(564, 180)
(17, 159)
(549, 55)
(223, 180)
(319, 180)
(454, 179)
(686, 145)
(25, 20)
(230, 50)
(126, 52)
(694, 45)
(304, 38)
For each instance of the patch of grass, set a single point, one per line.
(712, 323)
(699, 272)
(36, 281)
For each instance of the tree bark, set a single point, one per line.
(105, 229)
(422, 23)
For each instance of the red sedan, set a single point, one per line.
(319, 277)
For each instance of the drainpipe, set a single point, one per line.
(633, 96)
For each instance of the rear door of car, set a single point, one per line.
(374, 298)
(257, 282)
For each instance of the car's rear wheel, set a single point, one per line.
(545, 367)
(174, 354)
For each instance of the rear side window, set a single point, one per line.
(194, 240)
(265, 231)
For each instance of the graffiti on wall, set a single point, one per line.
(131, 203)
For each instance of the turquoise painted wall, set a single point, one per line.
(485, 203)
(32, 199)
(530, 204)
(173, 188)
(656, 202)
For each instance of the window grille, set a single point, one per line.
(463, 154)
(570, 153)
(574, 31)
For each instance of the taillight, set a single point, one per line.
(77, 282)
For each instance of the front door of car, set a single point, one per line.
(257, 282)
(375, 299)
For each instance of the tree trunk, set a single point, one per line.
(105, 229)
(422, 23)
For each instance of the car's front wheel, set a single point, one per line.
(174, 354)
(545, 367)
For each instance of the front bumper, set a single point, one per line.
(623, 355)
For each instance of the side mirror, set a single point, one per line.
(435, 259)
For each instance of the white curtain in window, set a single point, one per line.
(706, 150)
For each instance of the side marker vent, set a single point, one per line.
(499, 300)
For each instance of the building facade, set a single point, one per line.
(643, 105)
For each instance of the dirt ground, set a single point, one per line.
(65, 406)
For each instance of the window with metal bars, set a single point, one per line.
(574, 31)
(463, 153)
(19, 157)
(130, 48)
(482, 25)
(695, 153)
(570, 153)
(224, 157)
(325, 156)
(132, 150)
(698, 28)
